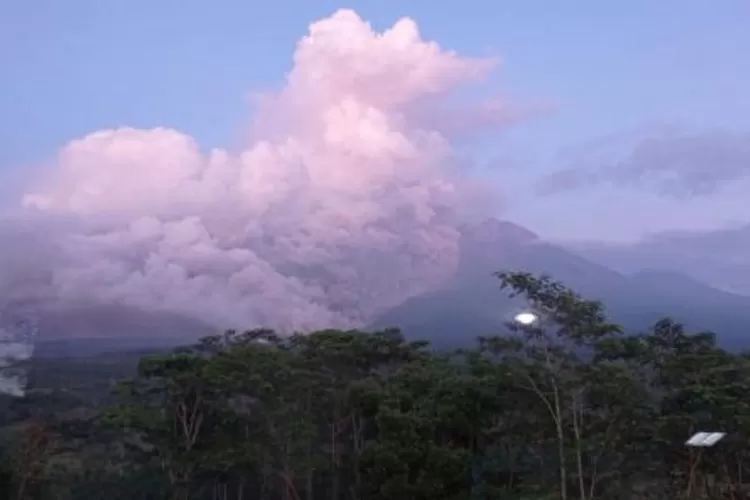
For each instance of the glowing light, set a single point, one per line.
(526, 318)
(705, 439)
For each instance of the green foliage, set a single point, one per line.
(567, 408)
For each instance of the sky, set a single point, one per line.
(593, 79)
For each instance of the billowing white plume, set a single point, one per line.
(344, 203)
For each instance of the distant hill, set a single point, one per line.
(718, 258)
(472, 304)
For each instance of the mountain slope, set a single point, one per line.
(472, 304)
(718, 258)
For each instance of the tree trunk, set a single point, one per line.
(560, 444)
(181, 492)
(357, 430)
(241, 489)
(335, 483)
(577, 407)
(21, 493)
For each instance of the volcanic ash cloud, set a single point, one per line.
(343, 204)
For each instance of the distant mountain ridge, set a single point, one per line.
(719, 258)
(472, 304)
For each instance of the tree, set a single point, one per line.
(551, 360)
(30, 458)
(168, 415)
(570, 408)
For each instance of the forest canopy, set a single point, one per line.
(567, 407)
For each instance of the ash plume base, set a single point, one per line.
(345, 203)
(17, 341)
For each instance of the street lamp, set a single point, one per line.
(526, 318)
(705, 439)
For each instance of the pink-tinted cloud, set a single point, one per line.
(344, 202)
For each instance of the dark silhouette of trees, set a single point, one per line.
(569, 407)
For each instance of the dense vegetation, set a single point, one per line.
(569, 408)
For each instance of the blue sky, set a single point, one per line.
(612, 69)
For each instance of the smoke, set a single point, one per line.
(343, 204)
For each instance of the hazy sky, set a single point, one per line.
(604, 76)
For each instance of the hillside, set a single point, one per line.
(472, 303)
(718, 258)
